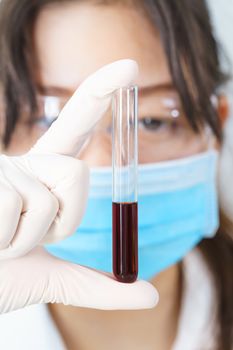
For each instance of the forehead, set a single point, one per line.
(75, 39)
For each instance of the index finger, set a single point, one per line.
(84, 109)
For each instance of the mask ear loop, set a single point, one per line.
(208, 131)
(1, 147)
(209, 138)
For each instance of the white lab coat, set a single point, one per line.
(33, 328)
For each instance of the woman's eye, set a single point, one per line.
(153, 124)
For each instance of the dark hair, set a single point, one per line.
(192, 55)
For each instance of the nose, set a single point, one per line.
(98, 151)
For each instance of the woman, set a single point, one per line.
(48, 49)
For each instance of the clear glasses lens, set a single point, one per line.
(163, 129)
(49, 108)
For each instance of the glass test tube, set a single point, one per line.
(124, 194)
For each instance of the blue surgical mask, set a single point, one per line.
(177, 208)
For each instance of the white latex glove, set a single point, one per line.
(42, 199)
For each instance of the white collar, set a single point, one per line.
(196, 329)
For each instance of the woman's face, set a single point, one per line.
(72, 41)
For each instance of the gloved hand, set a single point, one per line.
(43, 198)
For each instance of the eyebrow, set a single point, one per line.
(54, 91)
(167, 86)
(65, 92)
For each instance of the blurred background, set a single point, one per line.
(222, 17)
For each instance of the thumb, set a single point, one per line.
(84, 109)
(81, 286)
